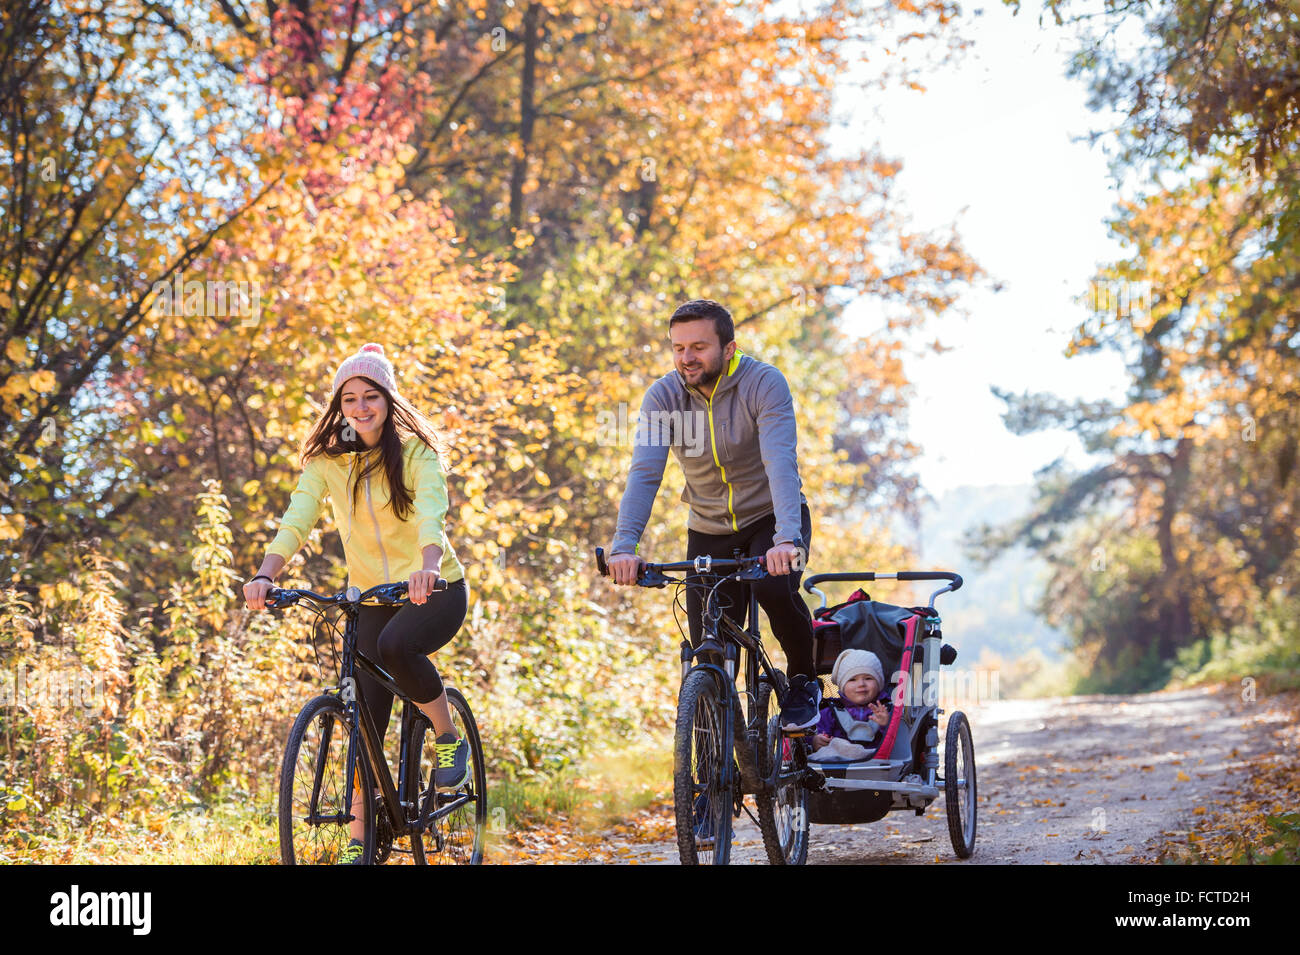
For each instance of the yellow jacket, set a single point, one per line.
(379, 547)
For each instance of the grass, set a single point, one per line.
(226, 833)
(1268, 658)
(608, 788)
(234, 831)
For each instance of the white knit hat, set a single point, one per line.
(852, 662)
(371, 362)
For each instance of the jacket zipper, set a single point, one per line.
(383, 554)
(714, 442)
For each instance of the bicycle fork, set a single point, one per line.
(745, 738)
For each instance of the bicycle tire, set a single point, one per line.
(449, 841)
(703, 783)
(318, 741)
(959, 784)
(782, 811)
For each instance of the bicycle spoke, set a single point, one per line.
(453, 821)
(702, 777)
(705, 746)
(314, 818)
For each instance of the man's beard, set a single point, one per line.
(709, 373)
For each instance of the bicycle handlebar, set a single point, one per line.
(654, 575)
(956, 580)
(278, 599)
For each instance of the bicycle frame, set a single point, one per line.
(717, 766)
(724, 636)
(758, 666)
(366, 734)
(408, 823)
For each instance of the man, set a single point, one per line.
(742, 484)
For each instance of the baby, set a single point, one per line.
(863, 709)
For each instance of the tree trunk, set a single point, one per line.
(1176, 612)
(527, 115)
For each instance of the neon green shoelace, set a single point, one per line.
(350, 852)
(446, 753)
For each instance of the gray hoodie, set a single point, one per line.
(737, 451)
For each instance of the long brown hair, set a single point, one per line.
(403, 420)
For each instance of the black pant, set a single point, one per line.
(778, 596)
(400, 640)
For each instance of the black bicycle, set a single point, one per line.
(725, 748)
(324, 777)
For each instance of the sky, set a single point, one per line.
(988, 148)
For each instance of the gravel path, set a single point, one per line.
(1085, 779)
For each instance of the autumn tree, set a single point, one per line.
(1195, 491)
(512, 198)
(91, 165)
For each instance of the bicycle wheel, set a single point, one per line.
(959, 784)
(456, 836)
(703, 784)
(313, 814)
(783, 809)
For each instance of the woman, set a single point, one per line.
(362, 452)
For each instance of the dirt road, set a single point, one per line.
(1085, 780)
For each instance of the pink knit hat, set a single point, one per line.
(371, 362)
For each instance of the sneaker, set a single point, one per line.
(801, 710)
(352, 853)
(704, 822)
(453, 762)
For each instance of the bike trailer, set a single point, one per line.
(897, 775)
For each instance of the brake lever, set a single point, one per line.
(655, 578)
(274, 598)
(401, 589)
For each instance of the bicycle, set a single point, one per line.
(323, 769)
(714, 768)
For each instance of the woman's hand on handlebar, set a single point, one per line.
(255, 592)
(624, 569)
(421, 585)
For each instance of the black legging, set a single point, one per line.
(400, 640)
(778, 596)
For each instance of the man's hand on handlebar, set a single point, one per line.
(624, 569)
(784, 558)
